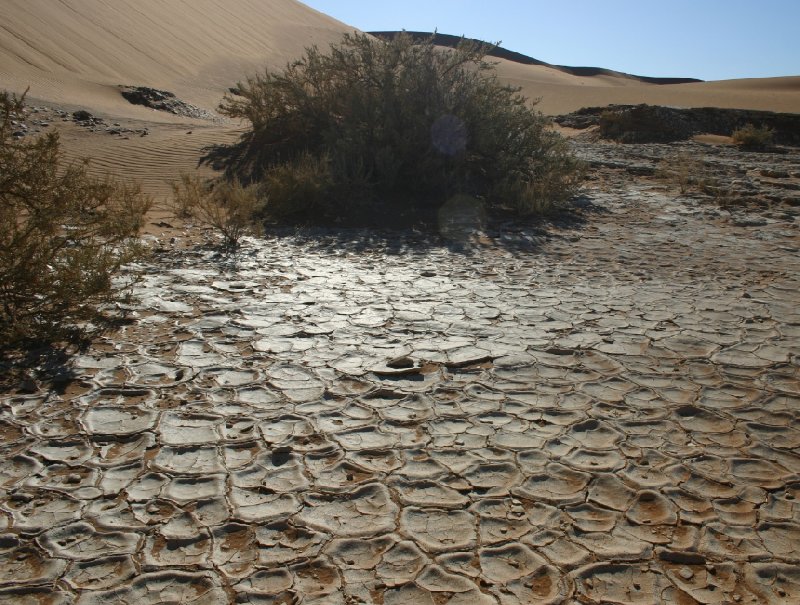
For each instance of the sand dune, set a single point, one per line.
(196, 48)
(153, 161)
(561, 93)
(74, 54)
(77, 51)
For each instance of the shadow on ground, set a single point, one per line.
(502, 232)
(458, 221)
(24, 364)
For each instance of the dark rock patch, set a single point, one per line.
(162, 100)
(82, 116)
(657, 124)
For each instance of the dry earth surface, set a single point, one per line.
(604, 410)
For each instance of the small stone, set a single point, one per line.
(400, 362)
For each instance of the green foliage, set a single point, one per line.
(373, 122)
(227, 206)
(753, 137)
(63, 234)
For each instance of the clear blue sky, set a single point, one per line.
(707, 39)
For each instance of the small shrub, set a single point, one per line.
(693, 175)
(63, 234)
(753, 137)
(227, 206)
(683, 171)
(541, 195)
(382, 124)
(186, 195)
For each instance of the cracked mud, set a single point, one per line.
(607, 413)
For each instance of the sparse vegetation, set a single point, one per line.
(683, 171)
(63, 235)
(699, 178)
(752, 137)
(227, 206)
(372, 123)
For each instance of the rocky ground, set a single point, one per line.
(38, 119)
(601, 411)
(163, 100)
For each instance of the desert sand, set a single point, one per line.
(74, 54)
(596, 410)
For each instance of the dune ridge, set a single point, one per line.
(499, 52)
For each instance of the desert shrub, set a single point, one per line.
(186, 195)
(702, 179)
(684, 171)
(63, 234)
(299, 186)
(753, 137)
(226, 206)
(373, 122)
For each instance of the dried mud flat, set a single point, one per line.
(604, 411)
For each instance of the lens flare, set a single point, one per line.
(449, 135)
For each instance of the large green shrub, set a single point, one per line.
(63, 234)
(373, 122)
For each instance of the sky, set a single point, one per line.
(705, 39)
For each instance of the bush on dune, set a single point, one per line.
(371, 122)
(63, 234)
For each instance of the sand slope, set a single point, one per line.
(74, 54)
(68, 50)
(561, 92)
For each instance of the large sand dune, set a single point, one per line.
(75, 53)
(70, 50)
